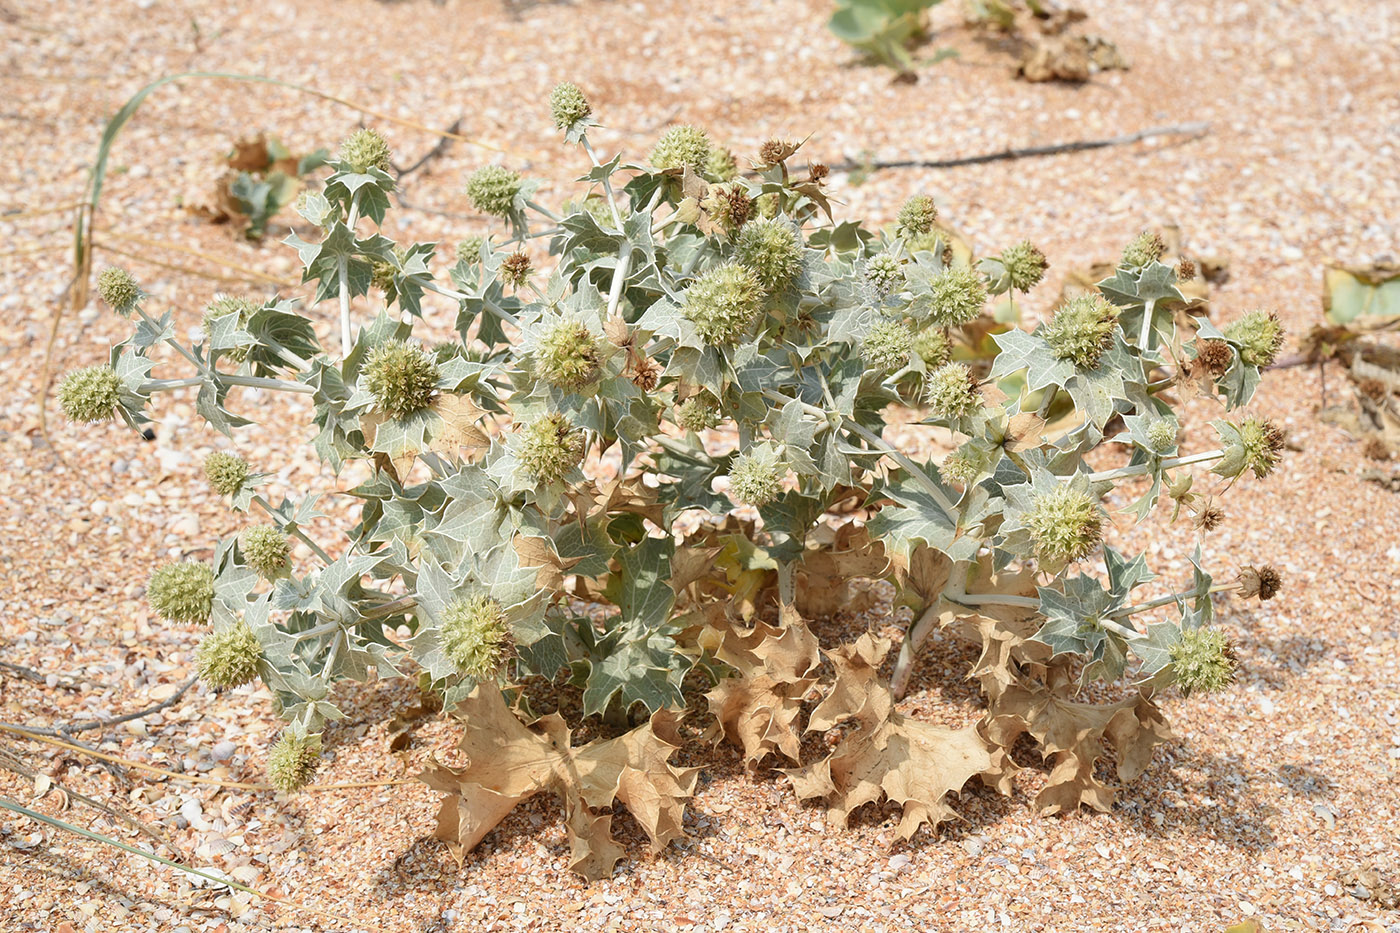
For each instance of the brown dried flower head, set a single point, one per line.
(1185, 270)
(1264, 582)
(1210, 518)
(1214, 357)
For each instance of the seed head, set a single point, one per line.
(568, 356)
(645, 373)
(916, 217)
(773, 250)
(1185, 270)
(1025, 265)
(1144, 250)
(226, 472)
(1264, 582)
(1260, 336)
(697, 414)
(1082, 330)
(568, 105)
(492, 190)
(956, 296)
(722, 165)
(680, 147)
(887, 347)
(1214, 357)
(1203, 660)
(1210, 518)
(292, 762)
(119, 289)
(182, 591)
(933, 347)
(516, 269)
(474, 635)
(469, 249)
(90, 394)
(728, 206)
(773, 150)
(229, 658)
(1161, 436)
(952, 391)
(756, 477)
(266, 550)
(1263, 445)
(1065, 523)
(402, 377)
(365, 149)
(723, 303)
(550, 448)
(885, 274)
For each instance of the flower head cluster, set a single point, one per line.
(568, 106)
(516, 269)
(682, 147)
(401, 376)
(916, 217)
(119, 289)
(956, 296)
(1082, 329)
(492, 190)
(952, 391)
(90, 394)
(1203, 661)
(728, 206)
(365, 149)
(1161, 436)
(723, 302)
(722, 165)
(229, 658)
(550, 448)
(474, 634)
(266, 550)
(292, 762)
(1025, 265)
(887, 346)
(226, 472)
(567, 356)
(773, 250)
(933, 347)
(697, 413)
(1260, 336)
(884, 273)
(756, 477)
(182, 591)
(1146, 248)
(1065, 523)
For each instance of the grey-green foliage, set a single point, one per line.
(464, 571)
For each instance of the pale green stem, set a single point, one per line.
(1145, 333)
(458, 296)
(347, 339)
(252, 382)
(171, 341)
(543, 210)
(607, 183)
(295, 532)
(624, 263)
(1165, 601)
(1143, 468)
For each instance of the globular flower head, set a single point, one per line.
(887, 346)
(568, 356)
(474, 634)
(756, 477)
(885, 274)
(723, 303)
(933, 346)
(266, 550)
(292, 761)
(916, 217)
(119, 289)
(1065, 523)
(728, 205)
(956, 296)
(492, 190)
(229, 658)
(1260, 336)
(1146, 248)
(722, 165)
(1025, 265)
(964, 465)
(516, 269)
(568, 105)
(1082, 329)
(226, 472)
(1214, 357)
(1263, 444)
(772, 248)
(1210, 518)
(469, 249)
(773, 151)
(381, 274)
(1203, 661)
(365, 149)
(1161, 436)
(182, 591)
(697, 414)
(401, 376)
(681, 147)
(90, 394)
(550, 447)
(952, 391)
(1264, 582)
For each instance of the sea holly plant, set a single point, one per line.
(658, 444)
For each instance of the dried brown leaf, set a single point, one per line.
(758, 709)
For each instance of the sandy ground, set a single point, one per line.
(1273, 793)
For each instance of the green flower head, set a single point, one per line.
(226, 472)
(916, 217)
(1161, 436)
(568, 356)
(292, 761)
(952, 391)
(469, 249)
(956, 296)
(1263, 444)
(723, 303)
(474, 635)
(697, 413)
(550, 447)
(728, 206)
(365, 149)
(182, 591)
(887, 347)
(119, 289)
(1145, 249)
(401, 376)
(492, 190)
(772, 248)
(567, 105)
(721, 165)
(229, 658)
(885, 274)
(1082, 329)
(1066, 524)
(966, 464)
(1203, 661)
(681, 147)
(933, 347)
(90, 394)
(1025, 265)
(266, 550)
(1260, 336)
(223, 306)
(756, 477)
